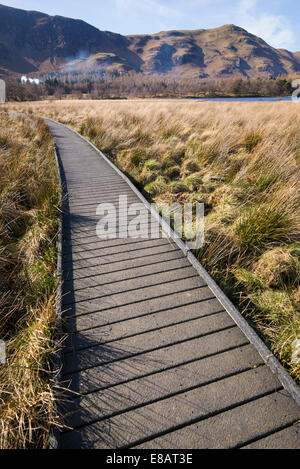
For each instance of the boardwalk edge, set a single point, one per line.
(55, 432)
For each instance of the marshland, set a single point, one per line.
(241, 159)
(29, 196)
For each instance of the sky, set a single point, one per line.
(276, 21)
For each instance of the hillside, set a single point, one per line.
(220, 52)
(34, 43)
(297, 55)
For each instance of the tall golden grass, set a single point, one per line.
(243, 161)
(28, 225)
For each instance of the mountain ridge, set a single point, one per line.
(32, 42)
(224, 51)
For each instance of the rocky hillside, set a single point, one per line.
(297, 55)
(33, 42)
(221, 52)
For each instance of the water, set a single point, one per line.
(258, 99)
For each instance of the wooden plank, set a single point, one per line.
(129, 427)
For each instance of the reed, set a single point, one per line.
(240, 159)
(29, 194)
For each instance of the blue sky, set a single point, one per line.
(276, 21)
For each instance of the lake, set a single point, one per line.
(258, 99)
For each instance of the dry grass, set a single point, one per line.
(28, 227)
(243, 161)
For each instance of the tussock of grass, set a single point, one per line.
(152, 165)
(263, 225)
(194, 181)
(190, 166)
(28, 226)
(178, 187)
(279, 267)
(172, 173)
(252, 139)
(242, 160)
(156, 187)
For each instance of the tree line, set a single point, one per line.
(131, 84)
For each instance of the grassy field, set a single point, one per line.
(29, 195)
(243, 161)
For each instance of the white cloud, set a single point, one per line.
(160, 17)
(153, 7)
(257, 17)
(166, 14)
(274, 29)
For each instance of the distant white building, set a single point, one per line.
(24, 79)
(2, 92)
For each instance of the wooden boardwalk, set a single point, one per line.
(152, 357)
